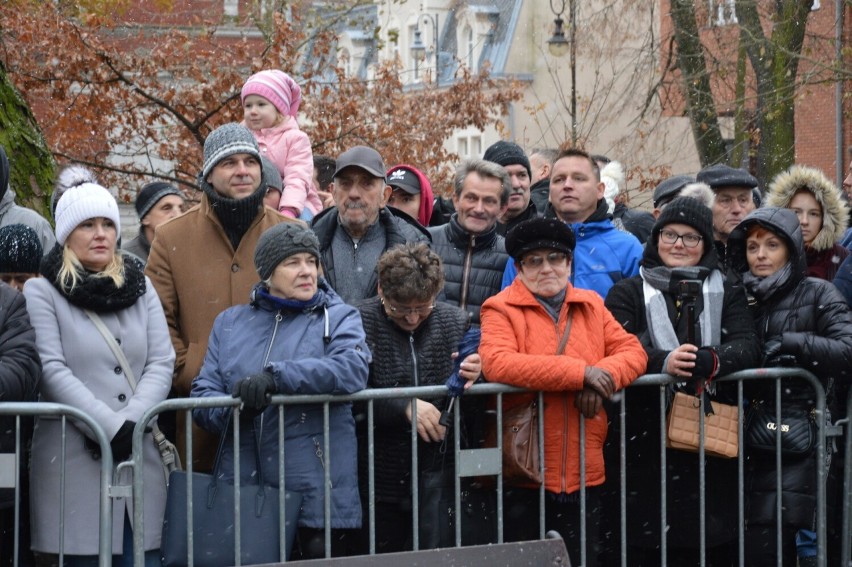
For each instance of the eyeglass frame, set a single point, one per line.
(681, 237)
(549, 258)
(400, 313)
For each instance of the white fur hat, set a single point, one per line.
(83, 202)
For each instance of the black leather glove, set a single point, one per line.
(255, 390)
(122, 443)
(771, 350)
(706, 364)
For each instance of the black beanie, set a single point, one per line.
(540, 233)
(151, 194)
(688, 211)
(507, 153)
(20, 250)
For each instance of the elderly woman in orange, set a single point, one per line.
(522, 328)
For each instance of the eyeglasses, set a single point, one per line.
(555, 259)
(400, 312)
(690, 240)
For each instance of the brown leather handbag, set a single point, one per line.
(521, 453)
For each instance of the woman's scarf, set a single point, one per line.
(94, 291)
(661, 279)
(763, 288)
(261, 292)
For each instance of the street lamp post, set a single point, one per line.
(418, 49)
(558, 45)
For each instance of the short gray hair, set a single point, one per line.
(483, 169)
(547, 154)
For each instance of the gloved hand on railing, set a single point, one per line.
(122, 442)
(706, 364)
(599, 380)
(254, 391)
(589, 402)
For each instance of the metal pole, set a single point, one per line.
(838, 92)
(573, 19)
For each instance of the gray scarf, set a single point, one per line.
(660, 327)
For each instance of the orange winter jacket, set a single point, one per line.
(518, 347)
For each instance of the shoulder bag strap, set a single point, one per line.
(159, 436)
(564, 340)
(113, 345)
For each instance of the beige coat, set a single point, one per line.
(198, 274)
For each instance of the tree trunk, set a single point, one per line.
(699, 97)
(775, 61)
(31, 163)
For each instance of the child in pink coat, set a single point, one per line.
(270, 101)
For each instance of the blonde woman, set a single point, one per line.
(84, 273)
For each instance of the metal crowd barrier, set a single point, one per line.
(846, 533)
(488, 461)
(10, 477)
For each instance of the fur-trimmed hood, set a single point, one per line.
(835, 211)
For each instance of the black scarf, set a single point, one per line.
(94, 292)
(236, 215)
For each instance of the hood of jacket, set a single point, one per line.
(778, 220)
(835, 211)
(427, 197)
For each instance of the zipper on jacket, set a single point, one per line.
(468, 260)
(565, 442)
(318, 452)
(278, 318)
(413, 359)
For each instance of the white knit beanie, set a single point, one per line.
(83, 202)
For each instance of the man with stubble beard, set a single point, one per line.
(359, 228)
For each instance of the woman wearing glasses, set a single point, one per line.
(413, 339)
(653, 306)
(522, 329)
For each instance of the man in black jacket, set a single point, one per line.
(519, 207)
(359, 228)
(474, 254)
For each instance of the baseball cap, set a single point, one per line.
(366, 158)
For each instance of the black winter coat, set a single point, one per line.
(473, 265)
(399, 229)
(812, 320)
(738, 350)
(20, 371)
(401, 359)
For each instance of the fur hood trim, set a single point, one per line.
(835, 211)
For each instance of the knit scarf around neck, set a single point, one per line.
(94, 292)
(662, 279)
(236, 215)
(763, 288)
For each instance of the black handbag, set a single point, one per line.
(797, 430)
(213, 522)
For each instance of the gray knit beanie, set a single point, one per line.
(280, 242)
(151, 194)
(225, 141)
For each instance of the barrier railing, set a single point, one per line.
(63, 413)
(488, 461)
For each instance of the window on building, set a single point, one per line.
(468, 38)
(722, 12)
(461, 147)
(346, 62)
(476, 146)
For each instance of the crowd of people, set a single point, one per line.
(303, 274)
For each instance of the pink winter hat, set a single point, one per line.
(277, 87)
